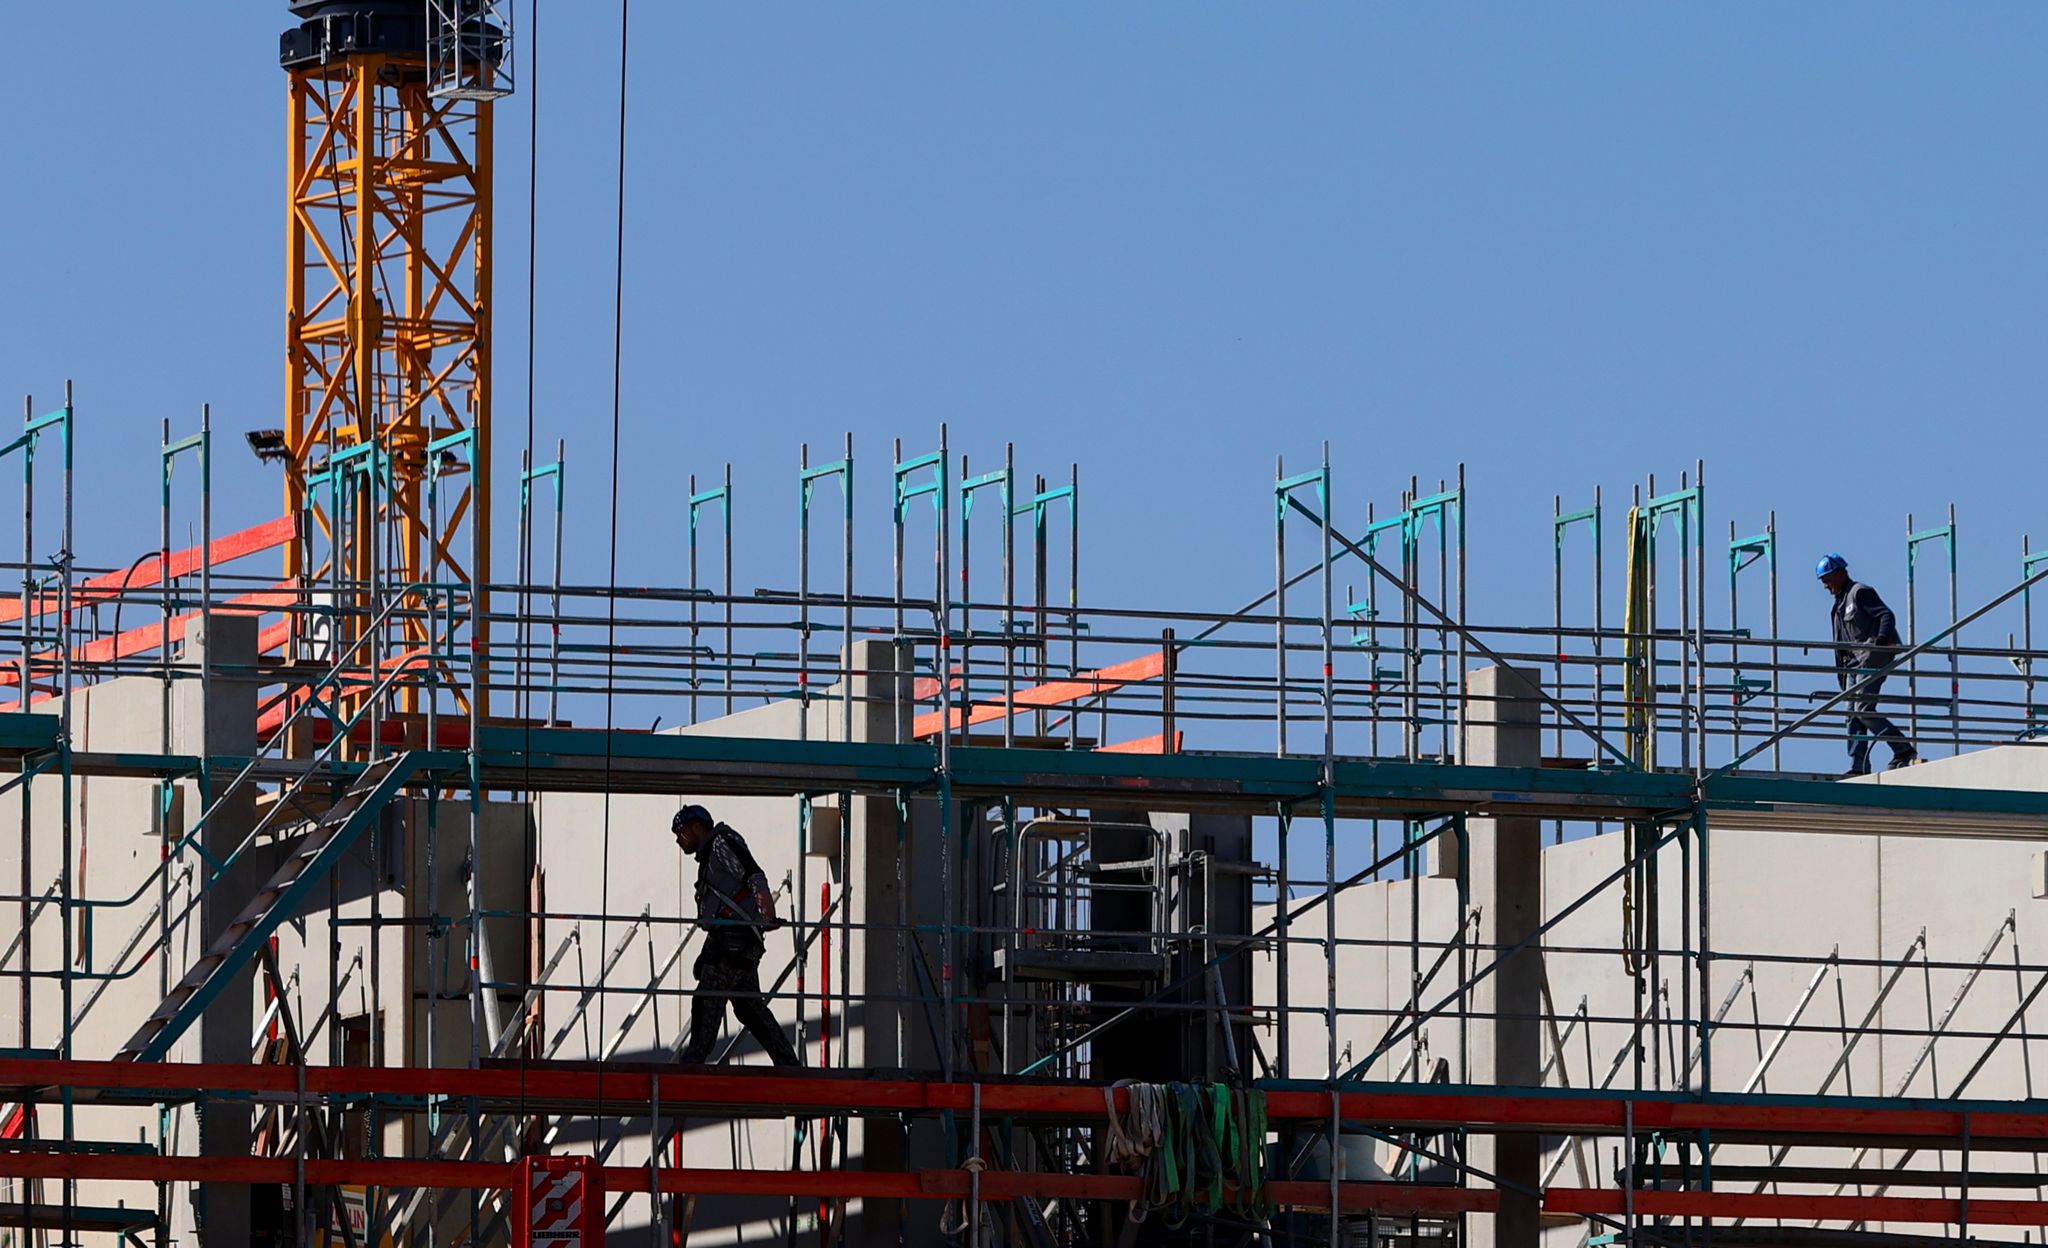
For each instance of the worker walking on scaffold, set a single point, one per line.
(1864, 631)
(734, 908)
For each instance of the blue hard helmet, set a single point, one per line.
(1830, 562)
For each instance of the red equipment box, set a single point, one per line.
(560, 1203)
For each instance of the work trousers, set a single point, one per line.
(1866, 726)
(734, 976)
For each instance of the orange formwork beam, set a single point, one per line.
(150, 571)
(144, 638)
(1046, 696)
(273, 716)
(1144, 745)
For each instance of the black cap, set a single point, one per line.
(333, 30)
(690, 814)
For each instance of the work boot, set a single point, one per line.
(1904, 758)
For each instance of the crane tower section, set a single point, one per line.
(387, 437)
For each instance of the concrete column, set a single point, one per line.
(1504, 867)
(880, 680)
(214, 720)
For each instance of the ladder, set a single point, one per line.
(317, 852)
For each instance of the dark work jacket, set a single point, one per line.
(1864, 628)
(727, 873)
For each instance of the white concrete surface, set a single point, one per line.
(1781, 905)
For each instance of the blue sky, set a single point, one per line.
(1567, 246)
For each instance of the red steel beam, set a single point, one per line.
(409, 732)
(1051, 694)
(1798, 1207)
(1395, 1198)
(773, 1094)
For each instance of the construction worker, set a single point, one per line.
(1864, 630)
(734, 908)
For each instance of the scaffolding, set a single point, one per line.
(1024, 774)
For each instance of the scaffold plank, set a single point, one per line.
(626, 761)
(27, 731)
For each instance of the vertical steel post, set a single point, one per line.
(1649, 712)
(1912, 637)
(725, 585)
(658, 1208)
(905, 707)
(206, 601)
(1337, 1164)
(65, 745)
(1464, 616)
(555, 589)
(1280, 630)
(846, 611)
(1687, 727)
(1009, 488)
(1954, 641)
(164, 787)
(1326, 504)
(1284, 488)
(433, 934)
(949, 886)
(26, 1027)
(523, 664)
(1599, 626)
(1282, 818)
(1777, 748)
(28, 566)
(966, 590)
(1041, 624)
(1168, 677)
(1706, 949)
(66, 887)
(2027, 639)
(1735, 700)
(1074, 586)
(1372, 636)
(690, 599)
(1699, 612)
(846, 892)
(1628, 1171)
(1450, 715)
(699, 500)
(1557, 626)
(803, 647)
(1410, 667)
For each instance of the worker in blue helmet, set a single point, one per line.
(1865, 634)
(734, 909)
